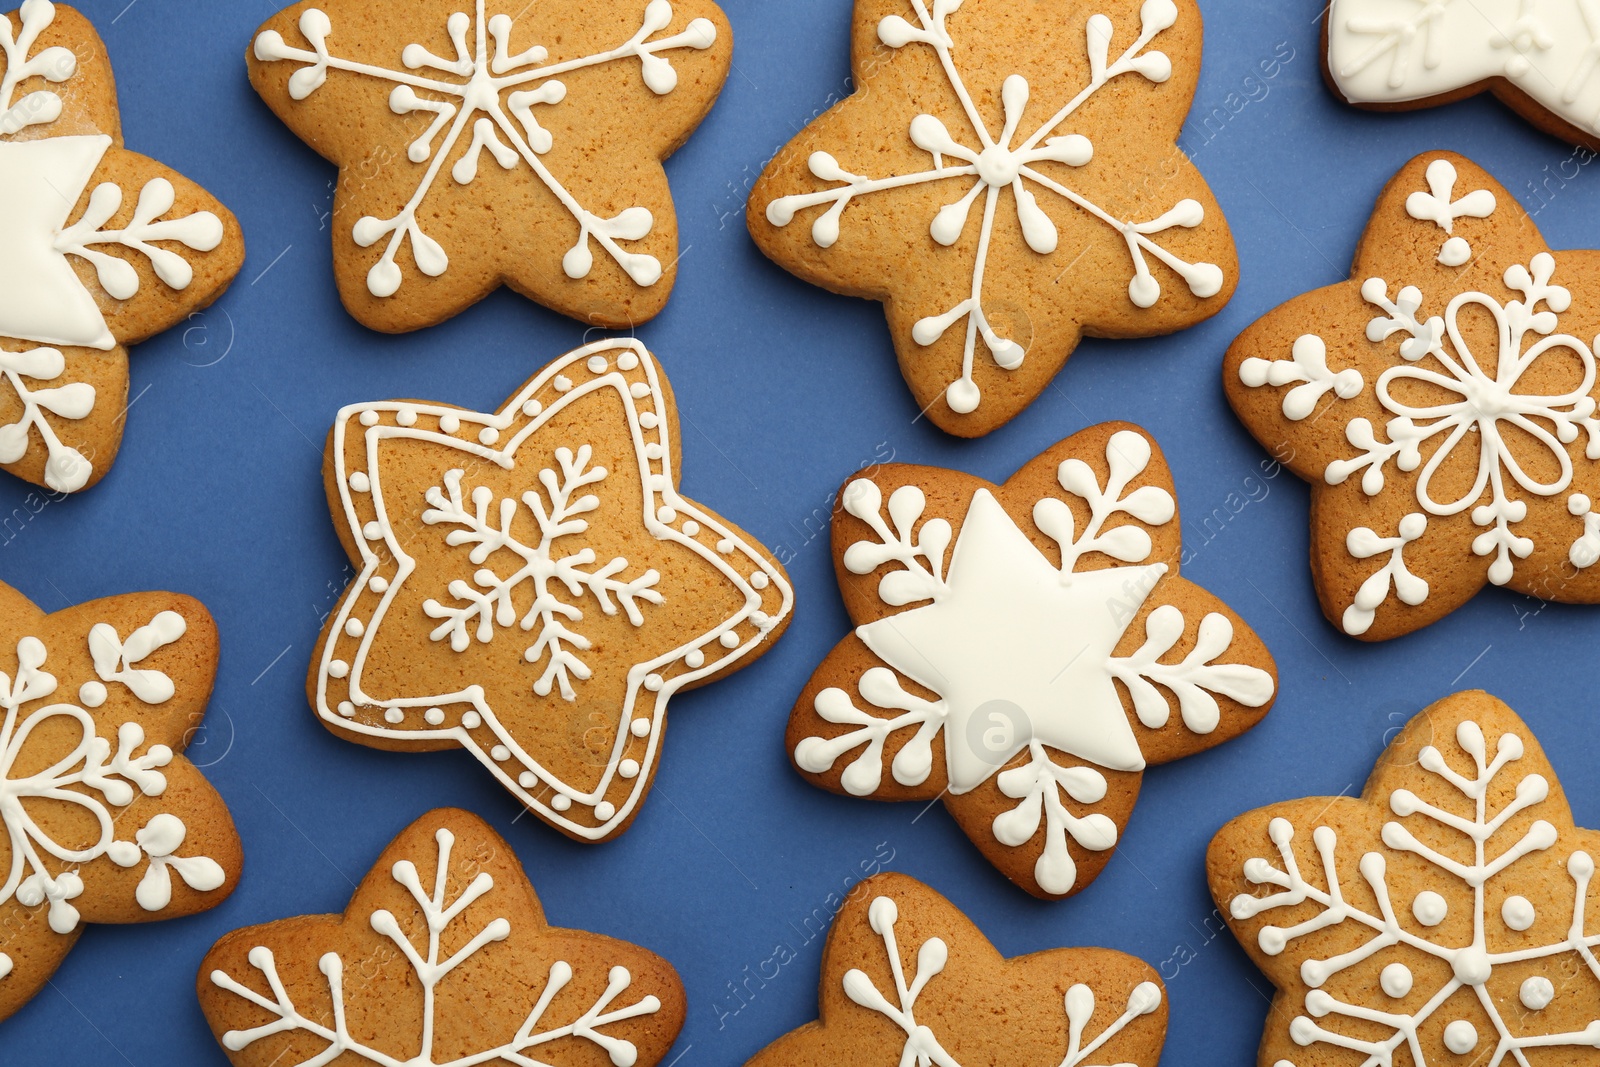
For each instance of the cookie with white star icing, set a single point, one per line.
(1442, 404)
(1023, 156)
(1446, 916)
(532, 586)
(483, 143)
(1024, 651)
(100, 248)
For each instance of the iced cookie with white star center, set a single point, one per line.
(102, 819)
(1446, 916)
(1022, 155)
(1023, 651)
(483, 143)
(99, 248)
(1442, 404)
(1540, 58)
(908, 979)
(532, 587)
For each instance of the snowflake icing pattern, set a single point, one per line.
(488, 95)
(996, 163)
(1472, 965)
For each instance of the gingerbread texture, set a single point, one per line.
(1023, 652)
(1022, 157)
(100, 248)
(443, 957)
(1447, 915)
(104, 819)
(487, 143)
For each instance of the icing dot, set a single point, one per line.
(347, 709)
(725, 546)
(695, 659)
(1537, 993)
(1579, 504)
(338, 669)
(640, 727)
(649, 420)
(604, 810)
(1429, 908)
(597, 364)
(92, 694)
(561, 802)
(628, 768)
(653, 683)
(360, 482)
(527, 780)
(1518, 913)
(488, 435)
(449, 423)
(759, 580)
(372, 531)
(627, 361)
(639, 390)
(1396, 980)
(394, 715)
(729, 639)
(691, 529)
(761, 620)
(654, 451)
(433, 716)
(532, 408)
(499, 753)
(354, 628)
(666, 514)
(472, 720)
(1461, 1037)
(407, 417)
(379, 585)
(1455, 253)
(659, 482)
(369, 418)
(562, 384)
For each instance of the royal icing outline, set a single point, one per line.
(626, 367)
(490, 72)
(952, 643)
(996, 165)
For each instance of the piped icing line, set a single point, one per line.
(625, 368)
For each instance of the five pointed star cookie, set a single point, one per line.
(1442, 405)
(99, 248)
(532, 587)
(1446, 916)
(103, 820)
(483, 143)
(1023, 651)
(442, 958)
(1022, 156)
(908, 979)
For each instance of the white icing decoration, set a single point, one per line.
(1471, 965)
(1307, 364)
(1393, 51)
(922, 1045)
(1536, 993)
(66, 470)
(1364, 543)
(1396, 980)
(494, 94)
(996, 162)
(432, 964)
(1438, 207)
(1007, 628)
(560, 574)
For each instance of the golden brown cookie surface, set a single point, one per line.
(104, 820)
(1005, 180)
(486, 143)
(1023, 651)
(99, 248)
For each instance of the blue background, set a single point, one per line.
(784, 390)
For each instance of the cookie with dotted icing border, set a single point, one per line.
(483, 143)
(1447, 915)
(907, 978)
(1442, 405)
(100, 248)
(532, 587)
(102, 819)
(442, 957)
(1023, 156)
(1542, 60)
(1023, 651)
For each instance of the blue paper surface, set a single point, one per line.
(784, 390)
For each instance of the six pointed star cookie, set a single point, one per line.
(99, 248)
(104, 821)
(1442, 405)
(532, 587)
(483, 143)
(1022, 156)
(908, 979)
(1023, 651)
(1445, 916)
(443, 958)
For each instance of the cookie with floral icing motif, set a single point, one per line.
(1023, 156)
(1024, 651)
(1442, 404)
(102, 820)
(907, 978)
(483, 143)
(532, 586)
(443, 957)
(1446, 916)
(99, 248)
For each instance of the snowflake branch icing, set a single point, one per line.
(55, 65)
(431, 970)
(486, 89)
(999, 162)
(66, 470)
